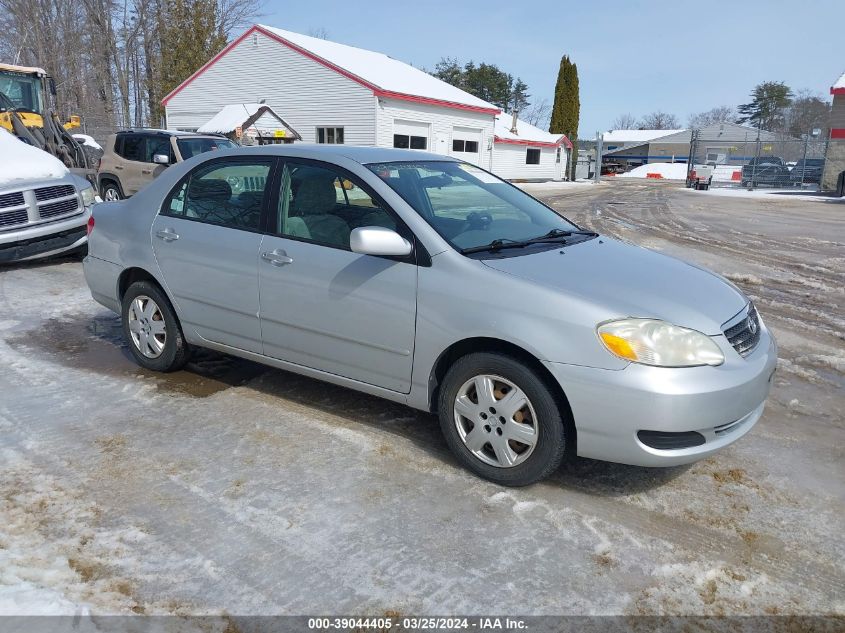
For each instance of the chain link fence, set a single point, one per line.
(761, 161)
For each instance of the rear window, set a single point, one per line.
(189, 147)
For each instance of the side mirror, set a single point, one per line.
(377, 240)
(161, 159)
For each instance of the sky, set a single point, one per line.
(677, 56)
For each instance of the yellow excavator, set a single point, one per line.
(24, 111)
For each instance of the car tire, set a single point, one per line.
(110, 191)
(152, 330)
(487, 454)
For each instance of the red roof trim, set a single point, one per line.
(207, 65)
(837, 133)
(514, 141)
(837, 91)
(376, 90)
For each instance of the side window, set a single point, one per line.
(323, 205)
(134, 147)
(158, 145)
(532, 156)
(230, 193)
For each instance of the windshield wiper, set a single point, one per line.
(496, 245)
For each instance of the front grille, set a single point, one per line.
(56, 191)
(58, 208)
(745, 335)
(13, 218)
(11, 200)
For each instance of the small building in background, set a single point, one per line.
(833, 177)
(250, 124)
(525, 152)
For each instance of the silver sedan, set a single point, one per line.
(431, 282)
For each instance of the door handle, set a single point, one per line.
(276, 257)
(118, 167)
(168, 235)
(146, 171)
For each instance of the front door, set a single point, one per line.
(323, 306)
(206, 240)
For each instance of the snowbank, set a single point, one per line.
(88, 140)
(671, 171)
(19, 161)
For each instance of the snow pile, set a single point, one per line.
(88, 140)
(19, 161)
(671, 171)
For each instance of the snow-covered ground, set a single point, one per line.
(772, 195)
(19, 161)
(230, 487)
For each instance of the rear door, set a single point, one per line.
(206, 240)
(323, 306)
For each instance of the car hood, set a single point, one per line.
(630, 281)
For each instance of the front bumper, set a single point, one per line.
(721, 403)
(44, 240)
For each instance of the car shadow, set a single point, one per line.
(97, 345)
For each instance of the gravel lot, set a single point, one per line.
(235, 488)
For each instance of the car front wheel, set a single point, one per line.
(501, 420)
(151, 328)
(111, 192)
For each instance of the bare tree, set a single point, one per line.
(538, 114)
(319, 32)
(719, 114)
(624, 122)
(807, 112)
(659, 120)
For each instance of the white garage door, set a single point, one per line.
(411, 134)
(466, 144)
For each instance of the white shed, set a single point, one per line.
(333, 93)
(525, 152)
(250, 123)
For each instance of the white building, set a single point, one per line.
(333, 93)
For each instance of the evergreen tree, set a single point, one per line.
(768, 105)
(190, 36)
(485, 81)
(566, 109)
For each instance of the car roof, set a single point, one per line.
(150, 130)
(359, 154)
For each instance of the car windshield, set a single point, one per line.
(189, 147)
(468, 206)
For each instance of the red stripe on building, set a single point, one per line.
(514, 141)
(837, 91)
(837, 132)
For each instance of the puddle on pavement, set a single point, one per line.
(97, 344)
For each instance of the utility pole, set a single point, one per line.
(597, 174)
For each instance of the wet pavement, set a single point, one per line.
(231, 487)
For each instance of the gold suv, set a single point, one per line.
(133, 158)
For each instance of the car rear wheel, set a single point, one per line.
(151, 329)
(501, 420)
(111, 192)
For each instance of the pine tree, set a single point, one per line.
(766, 111)
(567, 108)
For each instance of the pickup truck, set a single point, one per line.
(700, 177)
(44, 208)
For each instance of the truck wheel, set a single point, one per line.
(110, 191)
(151, 329)
(501, 420)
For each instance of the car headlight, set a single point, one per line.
(89, 196)
(658, 343)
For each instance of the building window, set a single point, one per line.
(330, 135)
(459, 145)
(532, 156)
(557, 155)
(405, 141)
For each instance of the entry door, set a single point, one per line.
(323, 306)
(206, 242)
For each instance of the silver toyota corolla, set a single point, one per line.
(429, 281)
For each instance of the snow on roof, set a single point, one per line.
(840, 83)
(381, 71)
(635, 136)
(23, 69)
(524, 131)
(20, 161)
(230, 117)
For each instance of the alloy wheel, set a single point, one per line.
(111, 195)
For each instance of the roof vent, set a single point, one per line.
(255, 39)
(513, 123)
